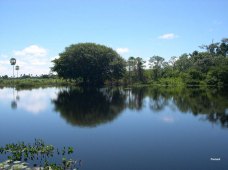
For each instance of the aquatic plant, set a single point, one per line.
(21, 155)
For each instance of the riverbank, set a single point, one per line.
(26, 83)
(34, 82)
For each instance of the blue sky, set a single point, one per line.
(35, 32)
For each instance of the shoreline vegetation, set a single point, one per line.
(34, 82)
(94, 65)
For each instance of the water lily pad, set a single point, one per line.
(20, 152)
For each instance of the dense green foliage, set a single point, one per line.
(90, 63)
(198, 68)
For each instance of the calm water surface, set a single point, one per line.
(123, 129)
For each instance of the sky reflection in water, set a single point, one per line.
(141, 128)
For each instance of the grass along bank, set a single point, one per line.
(34, 82)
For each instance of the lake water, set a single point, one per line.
(123, 129)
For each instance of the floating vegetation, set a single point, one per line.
(36, 156)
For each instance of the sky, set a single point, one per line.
(36, 31)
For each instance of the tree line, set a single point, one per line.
(209, 67)
(94, 64)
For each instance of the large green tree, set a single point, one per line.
(90, 62)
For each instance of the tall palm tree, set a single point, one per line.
(17, 68)
(13, 62)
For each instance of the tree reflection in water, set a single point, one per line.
(211, 103)
(90, 107)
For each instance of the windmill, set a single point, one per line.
(13, 62)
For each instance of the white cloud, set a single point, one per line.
(2, 62)
(32, 60)
(3, 66)
(122, 50)
(168, 36)
(3, 70)
(32, 50)
(3, 56)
